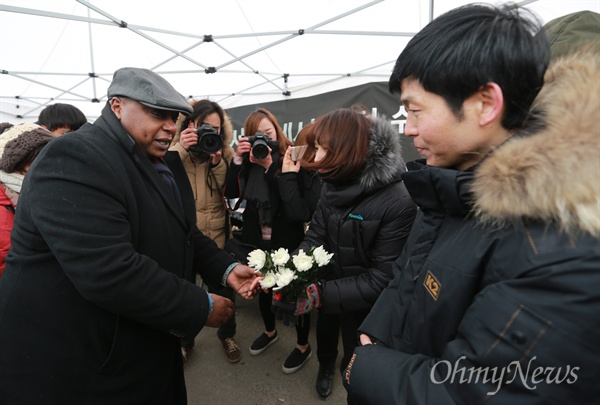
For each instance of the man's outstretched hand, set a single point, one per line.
(244, 280)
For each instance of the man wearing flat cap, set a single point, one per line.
(95, 295)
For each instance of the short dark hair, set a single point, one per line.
(470, 46)
(61, 115)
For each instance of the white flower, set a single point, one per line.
(302, 261)
(269, 280)
(322, 257)
(284, 276)
(257, 259)
(280, 257)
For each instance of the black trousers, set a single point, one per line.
(302, 325)
(329, 327)
(328, 336)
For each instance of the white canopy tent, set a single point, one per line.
(236, 52)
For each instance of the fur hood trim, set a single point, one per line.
(227, 129)
(551, 174)
(384, 162)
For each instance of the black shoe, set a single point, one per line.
(261, 343)
(296, 360)
(324, 380)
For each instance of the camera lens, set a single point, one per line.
(209, 140)
(210, 143)
(260, 150)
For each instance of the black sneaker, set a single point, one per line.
(296, 360)
(261, 343)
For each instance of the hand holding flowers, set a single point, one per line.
(293, 279)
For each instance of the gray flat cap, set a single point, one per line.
(149, 89)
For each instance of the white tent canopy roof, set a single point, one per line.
(260, 50)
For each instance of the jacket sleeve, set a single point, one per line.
(299, 193)
(85, 220)
(355, 293)
(232, 181)
(211, 270)
(522, 340)
(316, 233)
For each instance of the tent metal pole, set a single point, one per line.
(431, 5)
(137, 31)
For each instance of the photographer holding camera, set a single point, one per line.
(278, 203)
(200, 155)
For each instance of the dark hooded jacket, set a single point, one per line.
(495, 298)
(365, 224)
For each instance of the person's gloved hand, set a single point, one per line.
(283, 309)
(312, 300)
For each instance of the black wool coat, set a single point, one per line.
(94, 298)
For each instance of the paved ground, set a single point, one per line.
(255, 380)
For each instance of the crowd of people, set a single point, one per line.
(468, 276)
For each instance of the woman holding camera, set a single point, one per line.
(206, 162)
(200, 155)
(272, 219)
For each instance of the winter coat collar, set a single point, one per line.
(111, 126)
(439, 190)
(551, 174)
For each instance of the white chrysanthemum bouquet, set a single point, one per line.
(289, 275)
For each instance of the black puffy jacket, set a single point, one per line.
(496, 296)
(365, 224)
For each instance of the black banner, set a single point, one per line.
(293, 114)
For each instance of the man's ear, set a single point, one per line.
(492, 103)
(116, 105)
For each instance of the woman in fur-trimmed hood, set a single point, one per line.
(363, 218)
(206, 172)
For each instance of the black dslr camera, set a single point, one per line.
(260, 145)
(209, 141)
